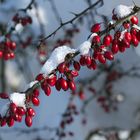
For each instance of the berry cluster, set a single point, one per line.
(65, 81)
(7, 48)
(104, 48)
(16, 113)
(23, 19)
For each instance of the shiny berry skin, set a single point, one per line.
(96, 39)
(52, 80)
(88, 60)
(35, 101)
(133, 31)
(30, 112)
(138, 35)
(57, 85)
(74, 73)
(76, 65)
(72, 85)
(82, 61)
(10, 121)
(47, 90)
(39, 77)
(1, 54)
(64, 84)
(21, 111)
(13, 46)
(12, 55)
(134, 20)
(107, 40)
(135, 41)
(101, 58)
(61, 67)
(93, 64)
(115, 48)
(127, 36)
(36, 92)
(109, 55)
(13, 108)
(28, 121)
(126, 25)
(95, 28)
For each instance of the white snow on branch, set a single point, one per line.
(123, 10)
(57, 57)
(122, 34)
(91, 36)
(136, 27)
(18, 99)
(84, 48)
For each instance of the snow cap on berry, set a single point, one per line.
(18, 99)
(57, 57)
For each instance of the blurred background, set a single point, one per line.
(117, 82)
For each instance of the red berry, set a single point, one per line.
(101, 58)
(107, 40)
(96, 39)
(64, 84)
(47, 90)
(127, 36)
(126, 25)
(39, 77)
(76, 65)
(10, 121)
(13, 46)
(74, 73)
(4, 95)
(61, 67)
(135, 41)
(109, 55)
(82, 60)
(1, 54)
(93, 64)
(72, 85)
(6, 56)
(52, 80)
(134, 20)
(13, 108)
(35, 101)
(57, 85)
(3, 122)
(28, 121)
(138, 35)
(88, 60)
(115, 48)
(12, 55)
(95, 28)
(21, 111)
(36, 92)
(31, 112)
(133, 31)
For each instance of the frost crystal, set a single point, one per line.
(123, 10)
(18, 99)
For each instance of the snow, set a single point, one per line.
(136, 26)
(123, 10)
(84, 48)
(124, 134)
(91, 36)
(31, 84)
(57, 57)
(18, 99)
(122, 34)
